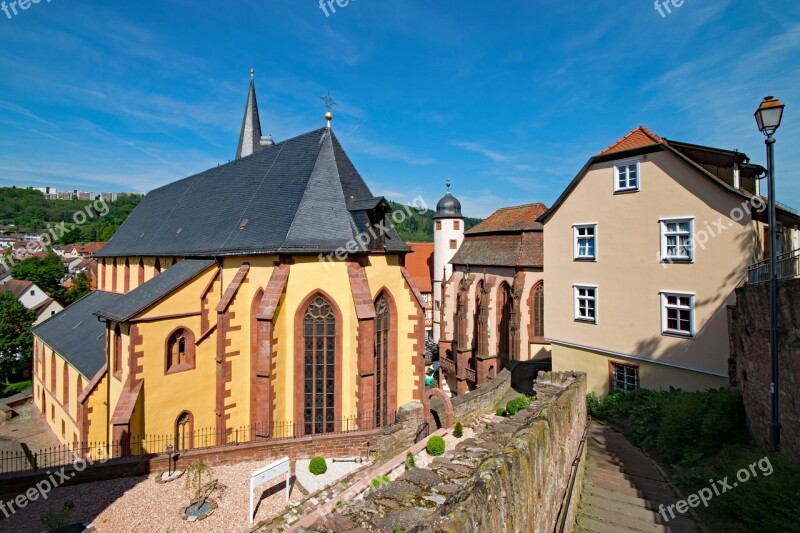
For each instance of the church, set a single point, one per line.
(214, 312)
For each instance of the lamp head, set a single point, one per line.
(769, 115)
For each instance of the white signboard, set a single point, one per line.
(267, 474)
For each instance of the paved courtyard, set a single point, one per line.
(27, 427)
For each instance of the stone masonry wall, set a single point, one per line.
(512, 477)
(750, 366)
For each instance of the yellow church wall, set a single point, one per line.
(106, 272)
(117, 379)
(98, 415)
(60, 417)
(307, 274)
(383, 272)
(167, 395)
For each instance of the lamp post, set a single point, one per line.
(768, 117)
(169, 458)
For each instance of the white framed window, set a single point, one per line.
(624, 378)
(677, 243)
(585, 303)
(626, 176)
(677, 313)
(585, 236)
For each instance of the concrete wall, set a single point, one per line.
(751, 364)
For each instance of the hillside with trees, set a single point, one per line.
(419, 226)
(29, 211)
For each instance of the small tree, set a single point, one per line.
(46, 273)
(458, 431)
(410, 461)
(200, 482)
(16, 339)
(81, 286)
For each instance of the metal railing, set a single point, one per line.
(788, 267)
(151, 445)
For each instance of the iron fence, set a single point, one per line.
(184, 440)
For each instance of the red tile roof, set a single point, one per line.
(511, 219)
(420, 265)
(16, 287)
(638, 138)
(91, 247)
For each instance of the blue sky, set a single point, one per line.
(508, 99)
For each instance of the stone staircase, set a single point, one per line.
(623, 489)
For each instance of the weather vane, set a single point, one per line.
(329, 102)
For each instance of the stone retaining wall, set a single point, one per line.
(750, 365)
(514, 476)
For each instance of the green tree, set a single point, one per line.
(16, 339)
(108, 232)
(81, 286)
(46, 273)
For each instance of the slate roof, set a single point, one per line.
(290, 198)
(77, 335)
(524, 249)
(142, 297)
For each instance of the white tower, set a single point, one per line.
(448, 234)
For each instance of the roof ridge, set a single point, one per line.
(642, 130)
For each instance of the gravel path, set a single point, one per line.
(141, 505)
(335, 472)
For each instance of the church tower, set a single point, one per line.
(448, 234)
(250, 139)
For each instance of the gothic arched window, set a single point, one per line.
(319, 367)
(382, 332)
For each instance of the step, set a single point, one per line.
(620, 520)
(587, 523)
(656, 495)
(643, 471)
(639, 512)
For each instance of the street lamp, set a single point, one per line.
(169, 459)
(768, 117)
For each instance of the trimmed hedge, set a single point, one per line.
(435, 446)
(517, 404)
(318, 466)
(458, 431)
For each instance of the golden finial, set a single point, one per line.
(329, 103)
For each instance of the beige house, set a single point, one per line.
(493, 305)
(644, 250)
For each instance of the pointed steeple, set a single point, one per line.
(250, 138)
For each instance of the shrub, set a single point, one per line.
(410, 461)
(594, 405)
(765, 502)
(15, 388)
(379, 481)
(699, 424)
(501, 411)
(458, 431)
(318, 466)
(435, 446)
(517, 404)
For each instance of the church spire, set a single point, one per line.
(250, 138)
